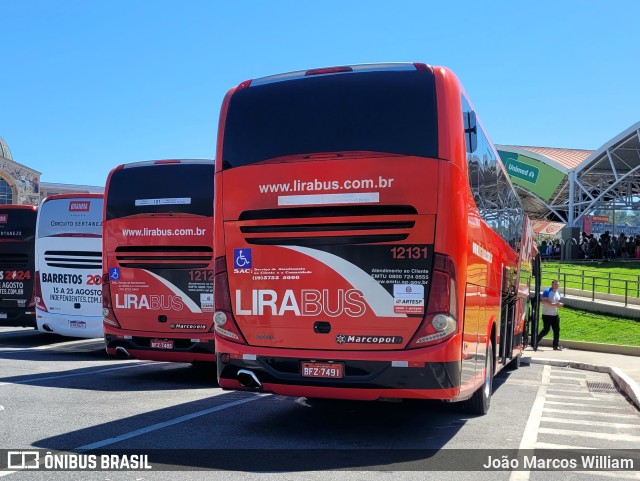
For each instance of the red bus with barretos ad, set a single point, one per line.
(369, 243)
(158, 261)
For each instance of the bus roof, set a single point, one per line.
(145, 163)
(78, 195)
(370, 67)
(18, 207)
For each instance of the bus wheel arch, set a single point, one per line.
(480, 401)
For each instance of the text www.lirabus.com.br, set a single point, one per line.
(316, 185)
(146, 232)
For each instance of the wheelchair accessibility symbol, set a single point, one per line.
(242, 258)
(114, 273)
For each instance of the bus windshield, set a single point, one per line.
(69, 216)
(383, 111)
(184, 188)
(17, 225)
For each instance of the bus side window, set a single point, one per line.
(470, 130)
(474, 164)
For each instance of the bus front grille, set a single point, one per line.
(333, 225)
(327, 211)
(14, 260)
(74, 259)
(164, 257)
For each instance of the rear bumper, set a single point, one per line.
(17, 317)
(366, 377)
(62, 324)
(187, 348)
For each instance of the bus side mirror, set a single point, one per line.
(471, 131)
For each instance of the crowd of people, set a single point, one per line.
(550, 249)
(593, 246)
(609, 247)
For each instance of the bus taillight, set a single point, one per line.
(31, 306)
(37, 294)
(223, 322)
(440, 322)
(108, 316)
(325, 71)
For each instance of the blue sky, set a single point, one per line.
(88, 85)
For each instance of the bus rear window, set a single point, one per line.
(387, 111)
(17, 225)
(161, 189)
(69, 216)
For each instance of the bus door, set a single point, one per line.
(507, 315)
(534, 317)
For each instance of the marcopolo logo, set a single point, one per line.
(4, 218)
(364, 339)
(522, 171)
(79, 206)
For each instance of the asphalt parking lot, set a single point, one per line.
(66, 396)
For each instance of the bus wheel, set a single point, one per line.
(481, 400)
(515, 363)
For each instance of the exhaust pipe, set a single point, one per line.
(249, 379)
(47, 327)
(122, 353)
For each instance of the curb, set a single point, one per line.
(631, 311)
(596, 347)
(627, 385)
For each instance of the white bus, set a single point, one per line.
(68, 289)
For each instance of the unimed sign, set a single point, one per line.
(535, 176)
(522, 171)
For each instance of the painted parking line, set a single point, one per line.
(170, 422)
(28, 332)
(51, 346)
(581, 422)
(593, 435)
(578, 398)
(571, 405)
(88, 373)
(591, 413)
(69, 343)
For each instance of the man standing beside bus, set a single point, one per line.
(550, 317)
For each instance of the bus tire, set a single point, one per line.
(514, 364)
(480, 402)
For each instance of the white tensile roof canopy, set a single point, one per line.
(589, 180)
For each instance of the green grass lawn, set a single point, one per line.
(607, 277)
(578, 325)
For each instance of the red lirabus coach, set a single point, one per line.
(368, 241)
(17, 265)
(158, 260)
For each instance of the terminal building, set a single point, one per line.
(20, 184)
(561, 188)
